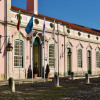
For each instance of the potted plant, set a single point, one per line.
(47, 71)
(35, 71)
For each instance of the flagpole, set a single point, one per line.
(44, 58)
(54, 49)
(44, 51)
(19, 51)
(29, 29)
(32, 56)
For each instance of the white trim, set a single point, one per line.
(16, 36)
(79, 47)
(51, 41)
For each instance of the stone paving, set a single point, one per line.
(5, 82)
(69, 90)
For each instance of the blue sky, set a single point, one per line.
(81, 12)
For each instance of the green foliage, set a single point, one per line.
(47, 69)
(35, 70)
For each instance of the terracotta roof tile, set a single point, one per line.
(69, 25)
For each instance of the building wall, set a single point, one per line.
(2, 9)
(85, 46)
(2, 32)
(2, 54)
(63, 40)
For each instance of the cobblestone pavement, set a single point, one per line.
(69, 90)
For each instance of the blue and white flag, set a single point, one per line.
(43, 27)
(29, 26)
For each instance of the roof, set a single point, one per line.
(69, 25)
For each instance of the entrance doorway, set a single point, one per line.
(89, 61)
(69, 61)
(37, 55)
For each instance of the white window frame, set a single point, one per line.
(97, 60)
(51, 56)
(80, 47)
(51, 42)
(17, 55)
(79, 60)
(22, 37)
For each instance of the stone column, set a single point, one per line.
(56, 79)
(87, 78)
(12, 84)
(59, 48)
(8, 34)
(65, 53)
(72, 75)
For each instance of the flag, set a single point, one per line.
(43, 27)
(29, 26)
(18, 24)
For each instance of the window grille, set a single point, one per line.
(89, 59)
(98, 59)
(16, 53)
(79, 58)
(69, 59)
(51, 55)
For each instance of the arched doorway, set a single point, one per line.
(37, 55)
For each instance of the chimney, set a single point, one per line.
(32, 6)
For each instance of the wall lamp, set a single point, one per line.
(64, 47)
(69, 52)
(9, 47)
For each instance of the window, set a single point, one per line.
(51, 55)
(16, 53)
(98, 59)
(79, 58)
(69, 60)
(89, 59)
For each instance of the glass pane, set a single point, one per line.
(51, 55)
(79, 58)
(97, 59)
(16, 53)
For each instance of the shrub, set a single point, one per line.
(47, 69)
(35, 69)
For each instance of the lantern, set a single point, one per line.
(9, 47)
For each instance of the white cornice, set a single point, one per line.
(84, 39)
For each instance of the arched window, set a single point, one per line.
(89, 59)
(51, 55)
(69, 60)
(98, 59)
(79, 55)
(16, 53)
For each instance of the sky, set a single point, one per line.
(82, 12)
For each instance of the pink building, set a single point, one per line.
(77, 47)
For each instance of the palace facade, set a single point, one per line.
(77, 47)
